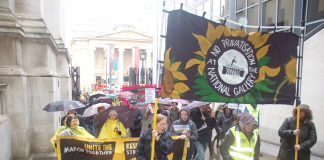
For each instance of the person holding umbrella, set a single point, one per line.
(96, 118)
(162, 137)
(71, 128)
(112, 128)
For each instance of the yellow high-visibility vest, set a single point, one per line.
(242, 148)
(254, 111)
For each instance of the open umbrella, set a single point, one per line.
(124, 115)
(63, 105)
(182, 101)
(97, 95)
(104, 100)
(195, 104)
(92, 110)
(127, 95)
(165, 101)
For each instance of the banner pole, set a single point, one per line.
(159, 48)
(154, 125)
(299, 78)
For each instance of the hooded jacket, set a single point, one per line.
(307, 138)
(192, 126)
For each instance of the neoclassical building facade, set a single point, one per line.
(110, 57)
(34, 71)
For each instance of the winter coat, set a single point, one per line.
(136, 129)
(162, 146)
(204, 135)
(229, 140)
(224, 121)
(307, 139)
(192, 129)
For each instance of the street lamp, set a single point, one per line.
(143, 57)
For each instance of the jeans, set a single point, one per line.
(201, 148)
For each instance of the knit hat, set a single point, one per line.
(247, 118)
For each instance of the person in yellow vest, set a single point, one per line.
(254, 110)
(242, 142)
(112, 128)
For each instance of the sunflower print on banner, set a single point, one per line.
(207, 61)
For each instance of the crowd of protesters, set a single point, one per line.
(237, 133)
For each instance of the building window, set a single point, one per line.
(3, 108)
(240, 4)
(253, 18)
(1, 103)
(315, 11)
(252, 2)
(225, 8)
(285, 12)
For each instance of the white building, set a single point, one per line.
(108, 57)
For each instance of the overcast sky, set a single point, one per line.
(99, 16)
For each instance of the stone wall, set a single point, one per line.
(5, 137)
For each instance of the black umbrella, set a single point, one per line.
(97, 95)
(63, 105)
(124, 115)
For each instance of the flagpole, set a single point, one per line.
(154, 124)
(157, 81)
(299, 78)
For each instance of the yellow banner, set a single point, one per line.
(78, 148)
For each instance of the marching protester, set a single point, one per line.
(205, 124)
(224, 121)
(163, 141)
(96, 122)
(306, 132)
(71, 128)
(174, 111)
(112, 128)
(242, 141)
(218, 114)
(73, 111)
(185, 128)
(137, 124)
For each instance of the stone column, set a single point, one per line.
(133, 57)
(91, 76)
(121, 66)
(107, 50)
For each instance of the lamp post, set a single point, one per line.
(143, 57)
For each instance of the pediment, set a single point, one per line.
(128, 34)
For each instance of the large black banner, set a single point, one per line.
(208, 61)
(78, 148)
